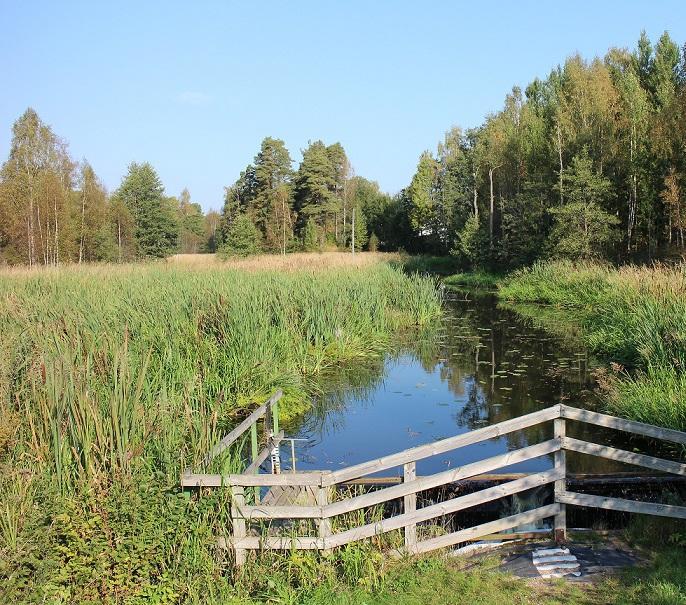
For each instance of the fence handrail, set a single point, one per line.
(319, 482)
(443, 445)
(403, 489)
(244, 426)
(622, 424)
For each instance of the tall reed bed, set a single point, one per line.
(111, 382)
(634, 315)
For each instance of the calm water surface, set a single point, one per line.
(484, 365)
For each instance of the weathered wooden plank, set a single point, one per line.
(238, 522)
(443, 478)
(278, 543)
(324, 524)
(612, 453)
(264, 454)
(621, 424)
(264, 511)
(410, 506)
(444, 445)
(629, 506)
(444, 508)
(471, 533)
(230, 437)
(559, 429)
(268, 510)
(201, 480)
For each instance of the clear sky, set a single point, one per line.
(193, 87)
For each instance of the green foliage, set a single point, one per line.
(310, 238)
(373, 244)
(314, 182)
(582, 229)
(127, 375)
(361, 236)
(156, 226)
(472, 243)
(479, 279)
(635, 317)
(243, 238)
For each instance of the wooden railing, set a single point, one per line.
(324, 508)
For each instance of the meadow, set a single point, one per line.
(115, 378)
(633, 316)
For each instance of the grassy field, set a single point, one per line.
(635, 317)
(114, 378)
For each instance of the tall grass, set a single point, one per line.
(113, 380)
(634, 315)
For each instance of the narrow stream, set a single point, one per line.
(484, 365)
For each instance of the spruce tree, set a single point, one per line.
(156, 226)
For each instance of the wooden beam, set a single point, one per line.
(405, 489)
(604, 451)
(621, 424)
(264, 454)
(200, 480)
(229, 438)
(444, 445)
(278, 543)
(238, 522)
(444, 508)
(560, 485)
(410, 506)
(629, 506)
(442, 478)
(465, 535)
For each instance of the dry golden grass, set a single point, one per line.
(301, 261)
(290, 262)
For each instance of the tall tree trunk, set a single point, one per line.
(83, 215)
(559, 151)
(353, 233)
(476, 194)
(57, 234)
(43, 246)
(119, 237)
(492, 206)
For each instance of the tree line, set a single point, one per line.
(589, 162)
(55, 210)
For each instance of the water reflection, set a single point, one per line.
(484, 364)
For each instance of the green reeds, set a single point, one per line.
(634, 316)
(113, 382)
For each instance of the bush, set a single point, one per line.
(243, 239)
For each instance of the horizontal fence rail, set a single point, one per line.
(312, 492)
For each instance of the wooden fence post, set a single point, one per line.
(238, 522)
(410, 506)
(324, 524)
(254, 450)
(560, 484)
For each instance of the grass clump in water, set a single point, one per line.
(477, 279)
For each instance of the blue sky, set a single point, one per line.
(194, 87)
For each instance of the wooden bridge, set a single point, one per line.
(299, 502)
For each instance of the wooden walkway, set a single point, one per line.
(308, 496)
(290, 495)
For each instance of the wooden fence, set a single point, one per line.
(247, 508)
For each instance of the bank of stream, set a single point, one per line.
(484, 364)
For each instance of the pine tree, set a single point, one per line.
(314, 182)
(156, 228)
(243, 238)
(583, 229)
